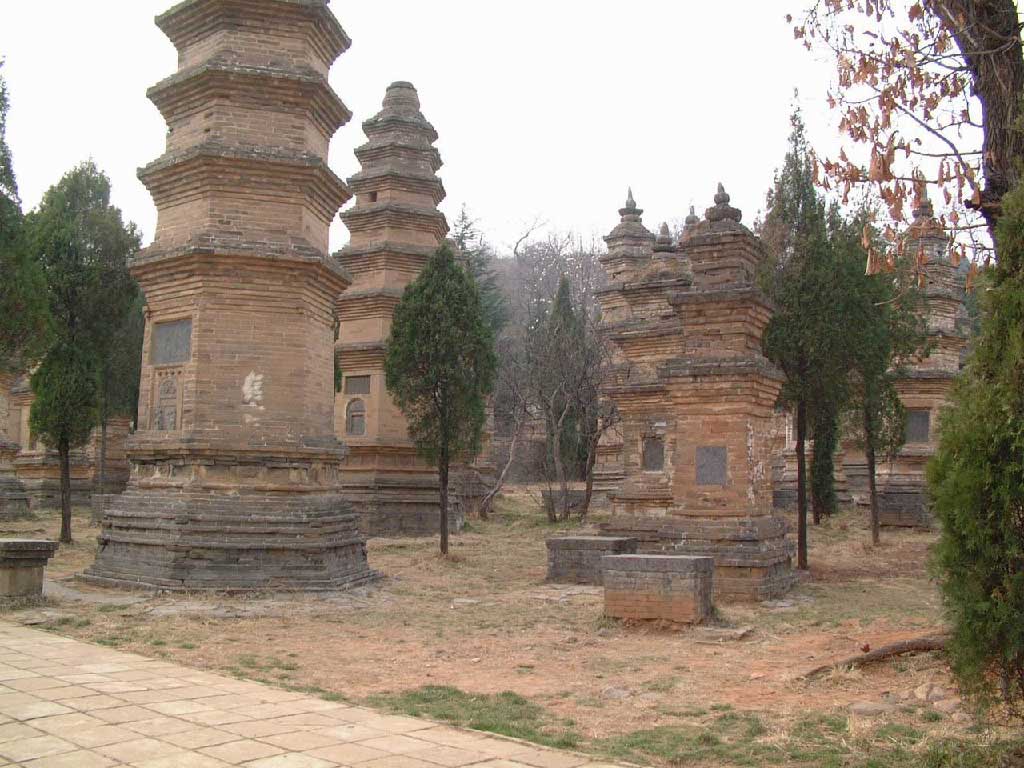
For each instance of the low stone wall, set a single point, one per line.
(577, 559)
(671, 587)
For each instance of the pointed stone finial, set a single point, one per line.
(630, 210)
(663, 243)
(923, 208)
(692, 219)
(722, 211)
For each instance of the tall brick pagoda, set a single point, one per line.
(235, 468)
(696, 398)
(923, 385)
(395, 226)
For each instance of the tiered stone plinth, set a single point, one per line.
(13, 499)
(667, 587)
(395, 227)
(235, 468)
(22, 562)
(696, 398)
(577, 559)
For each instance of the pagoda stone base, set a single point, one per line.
(230, 541)
(901, 489)
(38, 475)
(753, 558)
(398, 507)
(221, 522)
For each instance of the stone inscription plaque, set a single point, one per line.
(171, 343)
(653, 454)
(918, 426)
(711, 464)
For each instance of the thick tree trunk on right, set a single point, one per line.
(64, 450)
(988, 36)
(801, 485)
(584, 509)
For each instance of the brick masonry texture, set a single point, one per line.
(577, 559)
(673, 588)
(235, 479)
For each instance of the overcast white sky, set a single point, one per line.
(545, 108)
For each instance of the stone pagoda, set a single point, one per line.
(924, 384)
(696, 398)
(235, 468)
(395, 226)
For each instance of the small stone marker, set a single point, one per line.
(577, 559)
(672, 587)
(21, 566)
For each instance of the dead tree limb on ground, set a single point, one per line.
(915, 645)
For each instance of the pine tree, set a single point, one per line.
(476, 256)
(440, 366)
(22, 305)
(976, 484)
(805, 335)
(82, 245)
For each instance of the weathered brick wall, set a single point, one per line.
(673, 588)
(578, 559)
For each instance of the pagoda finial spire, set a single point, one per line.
(663, 243)
(630, 212)
(721, 210)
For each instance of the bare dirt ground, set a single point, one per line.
(483, 621)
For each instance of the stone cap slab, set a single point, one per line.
(658, 563)
(32, 551)
(589, 542)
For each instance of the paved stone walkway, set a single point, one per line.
(68, 704)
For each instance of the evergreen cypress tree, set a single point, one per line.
(476, 256)
(22, 303)
(976, 483)
(805, 335)
(82, 245)
(440, 366)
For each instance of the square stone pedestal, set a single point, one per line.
(21, 566)
(672, 587)
(577, 559)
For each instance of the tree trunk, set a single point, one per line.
(442, 472)
(801, 486)
(488, 499)
(101, 479)
(869, 454)
(988, 37)
(65, 491)
(589, 476)
(561, 513)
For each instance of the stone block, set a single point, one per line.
(21, 566)
(577, 559)
(671, 587)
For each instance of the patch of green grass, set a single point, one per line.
(897, 733)
(731, 739)
(157, 641)
(506, 713)
(931, 716)
(187, 646)
(662, 685)
(109, 608)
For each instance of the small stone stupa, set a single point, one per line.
(696, 398)
(395, 226)
(235, 468)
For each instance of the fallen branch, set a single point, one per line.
(916, 645)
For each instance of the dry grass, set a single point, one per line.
(484, 622)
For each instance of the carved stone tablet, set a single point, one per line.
(711, 464)
(653, 454)
(918, 426)
(171, 342)
(357, 385)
